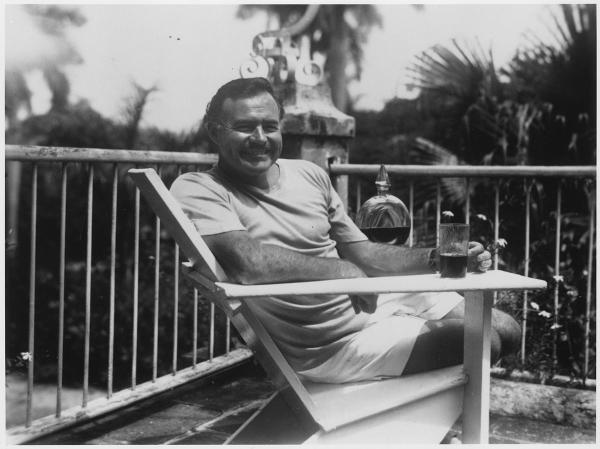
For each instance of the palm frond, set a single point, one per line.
(425, 152)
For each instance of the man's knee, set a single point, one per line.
(495, 346)
(439, 344)
(508, 330)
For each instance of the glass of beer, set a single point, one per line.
(454, 247)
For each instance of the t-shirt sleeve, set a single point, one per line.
(206, 204)
(343, 229)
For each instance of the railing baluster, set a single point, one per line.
(496, 220)
(211, 336)
(175, 299)
(88, 287)
(438, 210)
(358, 196)
(136, 270)
(61, 289)
(526, 267)
(411, 211)
(113, 265)
(496, 226)
(156, 292)
(227, 335)
(32, 264)
(588, 287)
(556, 270)
(195, 332)
(467, 200)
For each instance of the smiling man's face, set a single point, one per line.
(248, 137)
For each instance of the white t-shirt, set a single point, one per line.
(303, 212)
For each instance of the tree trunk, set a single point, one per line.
(337, 59)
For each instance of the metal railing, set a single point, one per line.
(100, 176)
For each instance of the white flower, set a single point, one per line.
(26, 356)
(555, 326)
(544, 314)
(447, 214)
(558, 278)
(501, 243)
(481, 217)
(535, 305)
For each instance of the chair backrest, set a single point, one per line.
(204, 263)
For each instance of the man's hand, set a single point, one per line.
(364, 303)
(479, 258)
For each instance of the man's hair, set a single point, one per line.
(239, 88)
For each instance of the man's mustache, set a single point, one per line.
(254, 146)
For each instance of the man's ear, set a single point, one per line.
(211, 130)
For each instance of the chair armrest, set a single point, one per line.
(492, 280)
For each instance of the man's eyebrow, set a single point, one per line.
(253, 122)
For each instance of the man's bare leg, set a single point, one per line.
(440, 344)
(505, 325)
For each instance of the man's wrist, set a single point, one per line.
(434, 258)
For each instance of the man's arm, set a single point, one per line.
(248, 261)
(378, 259)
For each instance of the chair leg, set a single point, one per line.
(275, 423)
(478, 324)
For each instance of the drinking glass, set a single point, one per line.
(454, 247)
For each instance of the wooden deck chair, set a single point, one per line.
(418, 408)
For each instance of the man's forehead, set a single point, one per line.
(260, 101)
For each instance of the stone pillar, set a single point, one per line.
(313, 129)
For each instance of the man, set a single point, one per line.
(273, 220)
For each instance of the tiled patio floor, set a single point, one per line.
(209, 413)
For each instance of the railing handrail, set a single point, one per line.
(471, 171)
(32, 153)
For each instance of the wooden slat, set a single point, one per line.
(419, 422)
(345, 403)
(492, 280)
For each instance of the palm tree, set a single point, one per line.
(460, 85)
(562, 74)
(338, 31)
(547, 100)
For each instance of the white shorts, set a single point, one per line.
(382, 348)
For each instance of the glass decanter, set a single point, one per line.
(384, 218)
